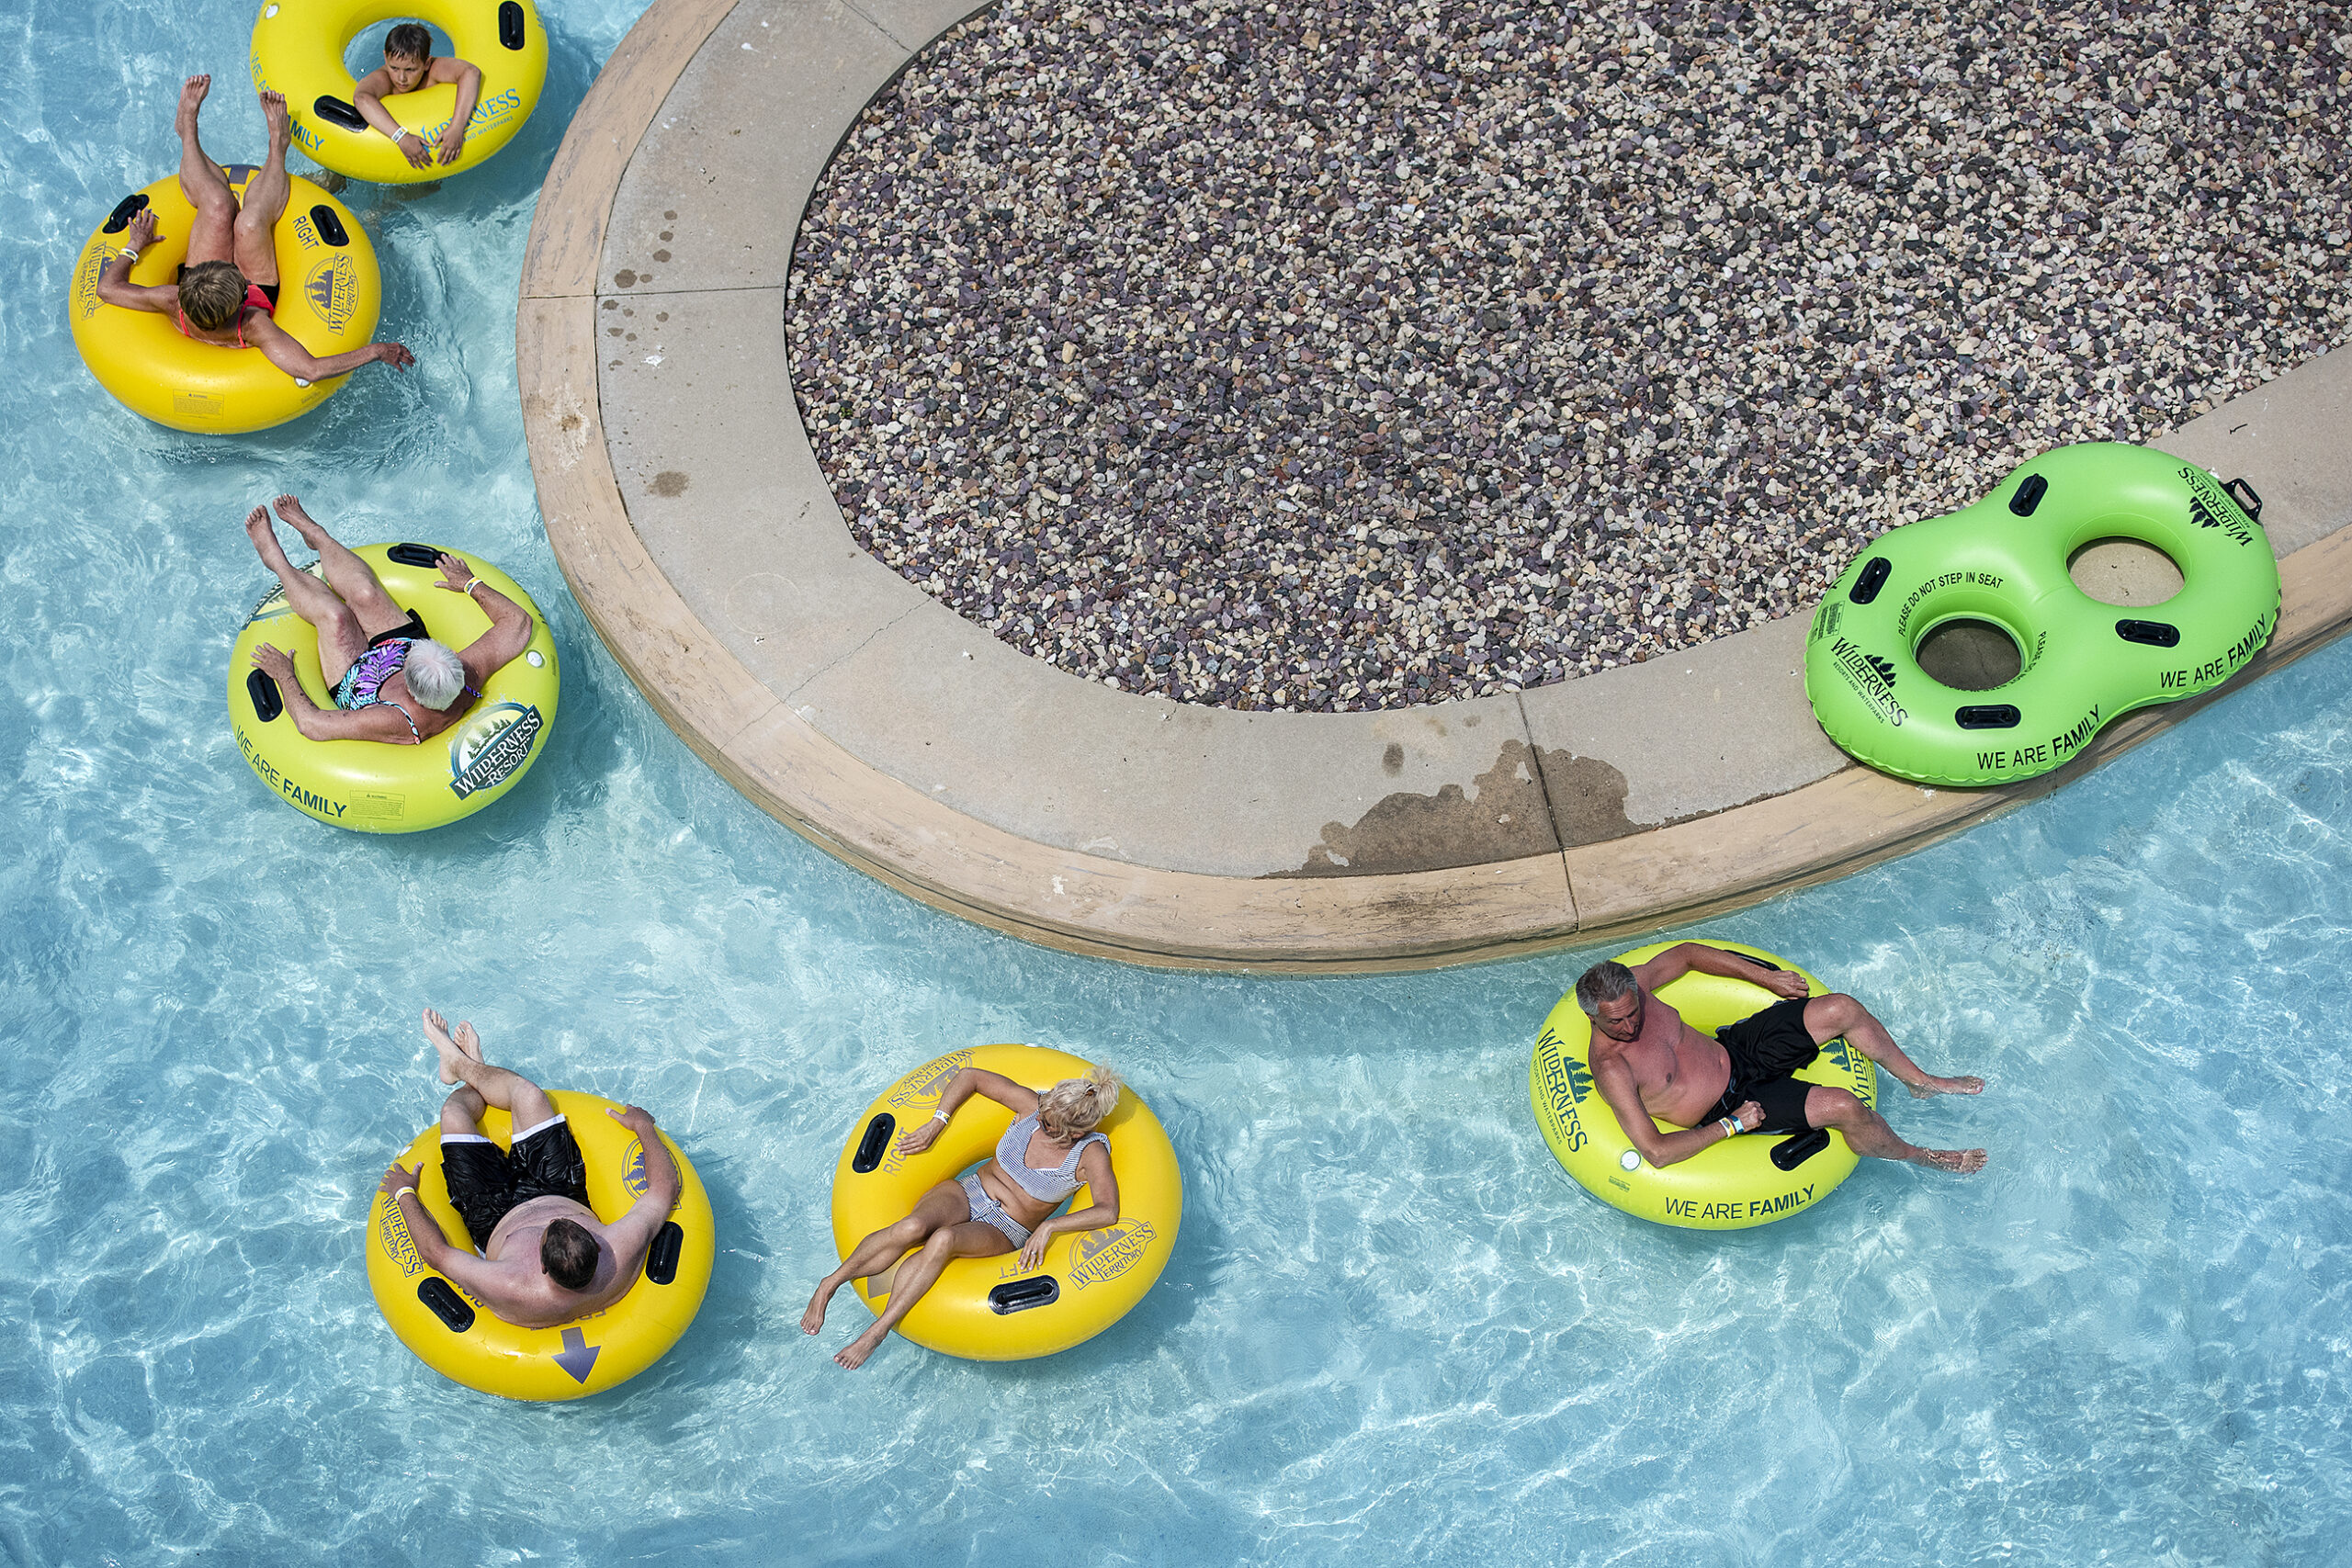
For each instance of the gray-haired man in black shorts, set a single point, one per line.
(545, 1257)
(1646, 1062)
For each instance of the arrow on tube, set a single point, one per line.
(578, 1357)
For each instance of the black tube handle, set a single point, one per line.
(129, 208)
(1791, 1153)
(1874, 578)
(1987, 715)
(510, 24)
(661, 1258)
(871, 1147)
(2028, 495)
(447, 1304)
(412, 554)
(2150, 634)
(2248, 499)
(334, 111)
(268, 701)
(1021, 1295)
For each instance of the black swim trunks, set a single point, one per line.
(1765, 1049)
(487, 1183)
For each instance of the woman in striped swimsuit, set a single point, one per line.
(1007, 1203)
(388, 684)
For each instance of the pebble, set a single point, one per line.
(1347, 356)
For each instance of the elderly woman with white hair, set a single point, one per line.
(1007, 1203)
(387, 685)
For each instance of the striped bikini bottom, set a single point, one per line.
(984, 1207)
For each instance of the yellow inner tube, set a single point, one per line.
(991, 1309)
(1727, 1186)
(328, 299)
(297, 50)
(459, 1337)
(374, 786)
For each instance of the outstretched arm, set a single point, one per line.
(967, 1082)
(1615, 1081)
(1689, 957)
(432, 1247)
(282, 349)
(115, 287)
(373, 723)
(1101, 1186)
(509, 623)
(633, 1232)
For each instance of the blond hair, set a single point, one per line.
(1074, 1107)
(212, 293)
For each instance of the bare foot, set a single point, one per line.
(257, 529)
(1930, 1087)
(852, 1355)
(192, 99)
(291, 509)
(468, 1041)
(814, 1318)
(436, 1029)
(281, 125)
(1959, 1162)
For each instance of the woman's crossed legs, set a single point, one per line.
(939, 1230)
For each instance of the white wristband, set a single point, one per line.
(939, 1116)
(1731, 1126)
(129, 254)
(471, 584)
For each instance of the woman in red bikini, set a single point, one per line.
(228, 290)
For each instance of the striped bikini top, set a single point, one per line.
(1046, 1186)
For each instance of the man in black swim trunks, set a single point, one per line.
(546, 1258)
(1646, 1062)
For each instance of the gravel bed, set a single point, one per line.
(1344, 355)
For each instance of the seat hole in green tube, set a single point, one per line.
(2126, 572)
(1970, 655)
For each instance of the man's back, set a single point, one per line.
(515, 1284)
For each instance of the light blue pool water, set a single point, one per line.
(1392, 1331)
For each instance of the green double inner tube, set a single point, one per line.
(2082, 665)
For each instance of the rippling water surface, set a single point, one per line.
(1392, 1330)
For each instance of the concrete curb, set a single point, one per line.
(651, 346)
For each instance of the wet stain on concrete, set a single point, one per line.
(1529, 803)
(1587, 799)
(1392, 761)
(670, 483)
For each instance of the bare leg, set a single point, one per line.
(354, 580)
(461, 1113)
(917, 1275)
(1826, 1018)
(341, 638)
(524, 1101)
(1867, 1133)
(210, 236)
(255, 234)
(943, 1206)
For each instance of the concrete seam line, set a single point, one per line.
(864, 643)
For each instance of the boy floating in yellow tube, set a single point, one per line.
(409, 67)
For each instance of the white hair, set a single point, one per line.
(436, 674)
